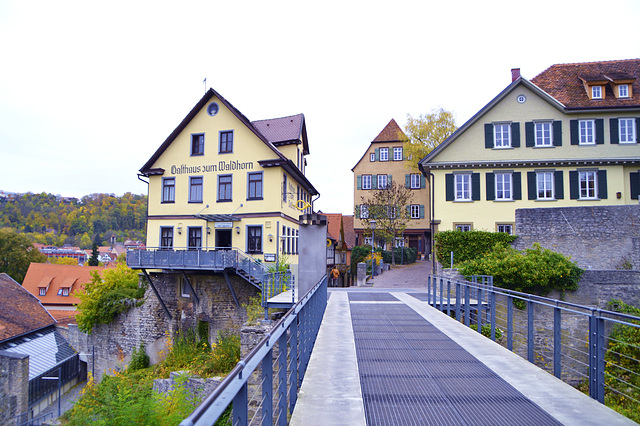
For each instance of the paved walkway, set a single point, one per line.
(372, 366)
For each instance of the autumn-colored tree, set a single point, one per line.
(16, 254)
(63, 261)
(389, 207)
(426, 132)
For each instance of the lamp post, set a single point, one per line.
(372, 223)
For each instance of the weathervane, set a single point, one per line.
(205, 84)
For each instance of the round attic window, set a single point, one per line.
(212, 109)
(521, 99)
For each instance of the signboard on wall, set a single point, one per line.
(269, 257)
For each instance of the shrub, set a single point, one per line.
(535, 270)
(358, 255)
(409, 256)
(139, 359)
(107, 296)
(467, 245)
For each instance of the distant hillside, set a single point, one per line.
(55, 220)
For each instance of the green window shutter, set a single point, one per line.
(357, 211)
(517, 186)
(475, 186)
(448, 179)
(532, 185)
(574, 190)
(602, 184)
(488, 135)
(599, 131)
(407, 181)
(515, 135)
(408, 211)
(557, 133)
(421, 211)
(491, 182)
(613, 130)
(529, 134)
(389, 179)
(359, 180)
(377, 154)
(573, 127)
(423, 182)
(374, 181)
(635, 184)
(558, 184)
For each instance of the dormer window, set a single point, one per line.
(623, 90)
(43, 291)
(596, 92)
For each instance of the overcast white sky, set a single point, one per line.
(89, 90)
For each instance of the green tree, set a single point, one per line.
(426, 132)
(108, 295)
(16, 254)
(93, 260)
(389, 207)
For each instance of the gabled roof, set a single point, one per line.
(520, 81)
(56, 277)
(20, 311)
(337, 223)
(334, 222)
(391, 133)
(284, 130)
(349, 231)
(147, 168)
(566, 83)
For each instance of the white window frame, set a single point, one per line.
(502, 135)
(391, 212)
(464, 227)
(588, 184)
(184, 292)
(382, 181)
(366, 181)
(368, 241)
(399, 242)
(596, 92)
(545, 189)
(506, 228)
(587, 132)
(543, 133)
(623, 90)
(462, 186)
(364, 211)
(43, 291)
(397, 153)
(384, 154)
(415, 181)
(627, 133)
(415, 211)
(372, 157)
(503, 186)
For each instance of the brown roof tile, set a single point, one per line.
(333, 225)
(566, 82)
(20, 311)
(349, 231)
(391, 133)
(58, 276)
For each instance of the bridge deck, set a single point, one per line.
(383, 357)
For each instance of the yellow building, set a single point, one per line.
(220, 182)
(568, 137)
(382, 163)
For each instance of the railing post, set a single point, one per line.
(493, 314)
(530, 330)
(510, 322)
(441, 295)
(267, 389)
(479, 309)
(282, 381)
(467, 302)
(240, 403)
(557, 342)
(434, 291)
(293, 364)
(458, 300)
(429, 289)
(596, 357)
(449, 297)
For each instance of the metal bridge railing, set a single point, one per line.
(568, 340)
(263, 387)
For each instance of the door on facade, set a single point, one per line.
(223, 238)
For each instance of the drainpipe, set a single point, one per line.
(432, 178)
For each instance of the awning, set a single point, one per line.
(219, 217)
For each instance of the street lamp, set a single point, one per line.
(372, 223)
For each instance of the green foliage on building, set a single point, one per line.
(467, 245)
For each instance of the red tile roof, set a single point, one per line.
(57, 277)
(333, 225)
(566, 83)
(349, 231)
(391, 133)
(20, 311)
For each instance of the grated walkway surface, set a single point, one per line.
(412, 373)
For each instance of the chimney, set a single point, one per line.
(515, 74)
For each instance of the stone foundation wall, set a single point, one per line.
(113, 343)
(14, 386)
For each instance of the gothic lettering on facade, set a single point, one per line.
(222, 166)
